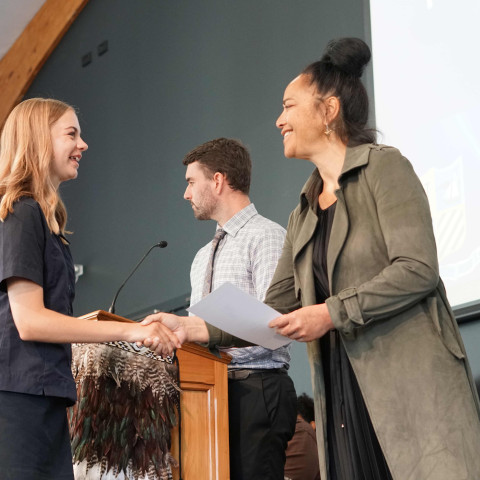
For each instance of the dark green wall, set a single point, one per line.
(177, 73)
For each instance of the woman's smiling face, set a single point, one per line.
(302, 121)
(67, 147)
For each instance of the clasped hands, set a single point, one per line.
(303, 325)
(168, 333)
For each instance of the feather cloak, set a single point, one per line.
(120, 427)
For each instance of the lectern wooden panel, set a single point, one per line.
(204, 420)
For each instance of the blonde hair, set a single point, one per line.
(26, 155)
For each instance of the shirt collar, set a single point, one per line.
(233, 226)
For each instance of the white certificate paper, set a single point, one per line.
(240, 314)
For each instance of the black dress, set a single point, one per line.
(353, 449)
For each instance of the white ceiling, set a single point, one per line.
(14, 17)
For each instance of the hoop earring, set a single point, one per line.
(328, 130)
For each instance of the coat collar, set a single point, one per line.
(355, 157)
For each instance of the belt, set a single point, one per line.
(243, 373)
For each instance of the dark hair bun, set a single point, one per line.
(350, 55)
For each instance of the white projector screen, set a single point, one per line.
(427, 104)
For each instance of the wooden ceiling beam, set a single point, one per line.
(21, 64)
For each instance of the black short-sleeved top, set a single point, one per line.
(29, 250)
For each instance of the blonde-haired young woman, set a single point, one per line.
(40, 148)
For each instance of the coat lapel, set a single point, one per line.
(355, 157)
(303, 259)
(309, 223)
(337, 236)
(302, 248)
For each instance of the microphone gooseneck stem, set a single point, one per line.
(161, 244)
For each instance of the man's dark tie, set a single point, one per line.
(207, 285)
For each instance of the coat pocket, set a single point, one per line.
(443, 324)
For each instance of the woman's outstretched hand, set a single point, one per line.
(304, 324)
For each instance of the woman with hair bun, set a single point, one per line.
(358, 281)
(40, 148)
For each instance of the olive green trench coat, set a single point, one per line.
(389, 305)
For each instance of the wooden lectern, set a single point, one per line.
(204, 410)
(204, 415)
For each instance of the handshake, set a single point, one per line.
(171, 331)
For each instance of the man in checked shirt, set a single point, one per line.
(261, 395)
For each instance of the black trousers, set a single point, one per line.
(262, 415)
(34, 438)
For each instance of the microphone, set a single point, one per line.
(161, 244)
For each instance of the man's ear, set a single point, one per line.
(220, 181)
